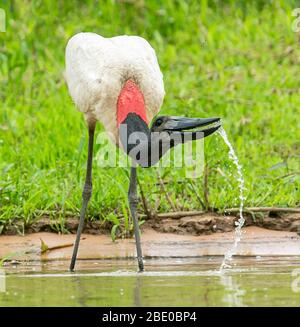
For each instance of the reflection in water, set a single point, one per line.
(137, 291)
(190, 282)
(80, 290)
(234, 293)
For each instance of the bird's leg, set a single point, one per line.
(132, 198)
(86, 194)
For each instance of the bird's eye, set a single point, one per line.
(158, 122)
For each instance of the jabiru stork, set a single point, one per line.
(117, 81)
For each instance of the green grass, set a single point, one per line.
(237, 61)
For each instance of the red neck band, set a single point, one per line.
(131, 100)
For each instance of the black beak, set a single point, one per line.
(183, 124)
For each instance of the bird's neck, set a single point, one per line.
(143, 146)
(131, 101)
(131, 116)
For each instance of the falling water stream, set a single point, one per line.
(240, 223)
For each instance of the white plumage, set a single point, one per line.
(98, 67)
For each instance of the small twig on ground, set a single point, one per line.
(45, 247)
(263, 209)
(179, 214)
(60, 246)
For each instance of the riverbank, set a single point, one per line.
(256, 242)
(182, 223)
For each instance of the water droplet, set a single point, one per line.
(240, 223)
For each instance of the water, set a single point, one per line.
(241, 220)
(262, 281)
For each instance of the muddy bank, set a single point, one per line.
(256, 242)
(182, 224)
(206, 224)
